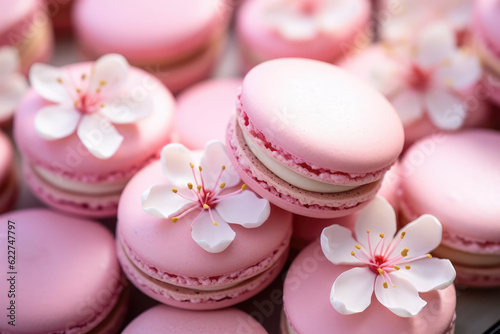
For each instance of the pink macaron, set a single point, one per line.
(456, 178)
(200, 240)
(325, 30)
(177, 41)
(433, 85)
(25, 25)
(85, 129)
(63, 275)
(311, 138)
(8, 181)
(203, 111)
(163, 319)
(346, 284)
(13, 84)
(486, 24)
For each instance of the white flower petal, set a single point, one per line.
(160, 201)
(422, 236)
(99, 136)
(108, 76)
(214, 157)
(337, 244)
(9, 61)
(446, 111)
(429, 274)
(435, 44)
(50, 82)
(352, 290)
(126, 111)
(410, 106)
(56, 121)
(212, 238)
(175, 160)
(244, 209)
(378, 217)
(12, 90)
(460, 71)
(403, 300)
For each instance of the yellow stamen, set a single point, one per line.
(380, 271)
(382, 235)
(205, 206)
(222, 185)
(396, 267)
(76, 103)
(407, 267)
(352, 253)
(414, 51)
(216, 224)
(199, 187)
(367, 231)
(403, 234)
(191, 229)
(174, 190)
(191, 165)
(78, 90)
(429, 256)
(60, 80)
(190, 185)
(199, 167)
(404, 252)
(84, 76)
(244, 187)
(223, 167)
(102, 105)
(385, 285)
(102, 83)
(98, 90)
(446, 62)
(175, 219)
(357, 246)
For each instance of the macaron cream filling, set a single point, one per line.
(290, 176)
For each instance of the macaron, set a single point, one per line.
(84, 129)
(311, 138)
(307, 229)
(8, 179)
(60, 14)
(487, 43)
(327, 290)
(325, 30)
(63, 275)
(177, 41)
(199, 249)
(203, 111)
(25, 25)
(13, 85)
(433, 85)
(455, 178)
(163, 319)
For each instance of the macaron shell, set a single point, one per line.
(87, 271)
(169, 248)
(280, 193)
(204, 111)
(6, 156)
(307, 304)
(165, 29)
(162, 319)
(68, 157)
(486, 13)
(455, 178)
(298, 105)
(477, 277)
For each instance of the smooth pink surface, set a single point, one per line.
(68, 157)
(479, 113)
(15, 18)
(204, 111)
(259, 40)
(163, 30)
(6, 156)
(487, 24)
(162, 319)
(307, 305)
(68, 277)
(169, 247)
(456, 178)
(322, 115)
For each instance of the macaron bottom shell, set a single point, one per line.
(8, 191)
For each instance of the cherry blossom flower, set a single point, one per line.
(13, 85)
(396, 266)
(305, 19)
(87, 102)
(428, 77)
(208, 189)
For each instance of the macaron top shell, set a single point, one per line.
(12, 19)
(204, 111)
(456, 178)
(154, 31)
(487, 13)
(163, 319)
(67, 272)
(6, 156)
(142, 140)
(169, 247)
(321, 115)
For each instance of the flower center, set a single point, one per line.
(204, 198)
(380, 259)
(419, 78)
(85, 101)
